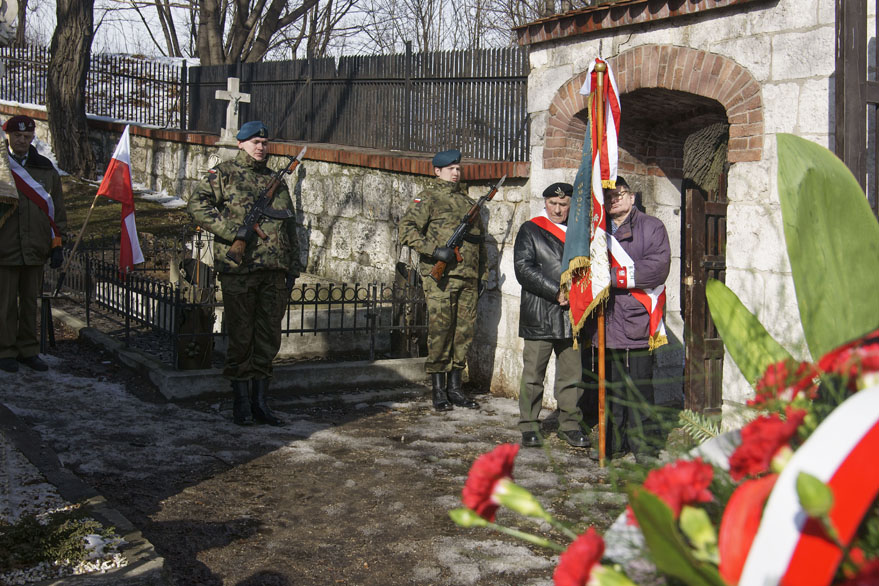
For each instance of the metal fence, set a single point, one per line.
(424, 102)
(181, 323)
(122, 87)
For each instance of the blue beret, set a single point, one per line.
(559, 190)
(251, 129)
(446, 158)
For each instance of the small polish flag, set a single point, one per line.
(117, 186)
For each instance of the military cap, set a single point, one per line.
(251, 129)
(559, 190)
(622, 182)
(19, 123)
(446, 158)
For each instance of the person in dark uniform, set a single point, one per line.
(31, 227)
(544, 321)
(255, 292)
(426, 227)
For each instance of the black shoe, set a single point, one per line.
(438, 388)
(575, 438)
(258, 405)
(34, 363)
(532, 439)
(9, 364)
(241, 414)
(456, 393)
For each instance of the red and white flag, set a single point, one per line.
(117, 186)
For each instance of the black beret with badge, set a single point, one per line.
(559, 190)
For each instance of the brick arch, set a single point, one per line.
(669, 67)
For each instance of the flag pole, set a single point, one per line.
(600, 69)
(73, 250)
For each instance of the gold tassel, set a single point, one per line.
(609, 183)
(656, 341)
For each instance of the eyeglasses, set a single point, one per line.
(618, 194)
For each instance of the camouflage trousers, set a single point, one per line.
(451, 315)
(253, 307)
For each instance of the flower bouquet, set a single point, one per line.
(795, 503)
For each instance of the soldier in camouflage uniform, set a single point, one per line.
(426, 227)
(256, 292)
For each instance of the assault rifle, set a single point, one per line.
(262, 208)
(439, 269)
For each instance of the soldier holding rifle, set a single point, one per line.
(256, 255)
(427, 227)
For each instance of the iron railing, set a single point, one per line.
(176, 323)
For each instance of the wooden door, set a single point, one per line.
(704, 257)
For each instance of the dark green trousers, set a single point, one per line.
(253, 305)
(568, 383)
(20, 288)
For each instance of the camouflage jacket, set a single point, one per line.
(430, 221)
(219, 204)
(26, 237)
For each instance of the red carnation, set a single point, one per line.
(784, 379)
(680, 483)
(868, 575)
(852, 360)
(761, 441)
(576, 563)
(487, 471)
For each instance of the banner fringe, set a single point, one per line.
(609, 183)
(12, 202)
(656, 341)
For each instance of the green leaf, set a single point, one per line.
(668, 549)
(749, 344)
(832, 242)
(697, 527)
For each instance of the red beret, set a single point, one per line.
(20, 123)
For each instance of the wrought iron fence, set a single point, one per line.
(123, 87)
(181, 323)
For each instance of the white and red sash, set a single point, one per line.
(653, 299)
(790, 549)
(557, 230)
(35, 192)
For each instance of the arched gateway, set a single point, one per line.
(686, 115)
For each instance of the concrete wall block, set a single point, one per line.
(507, 273)
(786, 15)
(703, 34)
(803, 54)
(778, 111)
(751, 183)
(752, 53)
(827, 12)
(755, 239)
(815, 105)
(543, 85)
(500, 220)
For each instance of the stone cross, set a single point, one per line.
(235, 97)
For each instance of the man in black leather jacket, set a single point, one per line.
(544, 322)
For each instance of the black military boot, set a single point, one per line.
(261, 411)
(440, 399)
(456, 393)
(241, 414)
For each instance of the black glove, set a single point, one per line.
(289, 281)
(444, 254)
(480, 288)
(57, 258)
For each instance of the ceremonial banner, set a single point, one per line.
(585, 264)
(117, 186)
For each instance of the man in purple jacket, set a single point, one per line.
(640, 249)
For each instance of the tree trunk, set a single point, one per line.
(21, 31)
(65, 89)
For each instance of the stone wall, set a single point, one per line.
(786, 48)
(348, 217)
